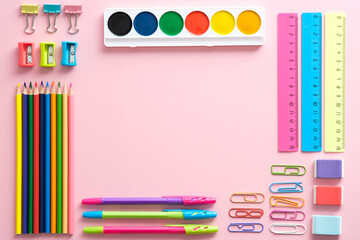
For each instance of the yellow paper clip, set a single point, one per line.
(247, 198)
(30, 9)
(281, 201)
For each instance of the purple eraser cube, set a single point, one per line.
(325, 168)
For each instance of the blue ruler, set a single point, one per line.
(311, 82)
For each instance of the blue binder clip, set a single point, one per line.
(295, 187)
(55, 9)
(246, 227)
(69, 53)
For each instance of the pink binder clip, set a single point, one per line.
(73, 9)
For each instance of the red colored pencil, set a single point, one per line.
(36, 159)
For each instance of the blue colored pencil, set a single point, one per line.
(42, 159)
(47, 158)
(25, 161)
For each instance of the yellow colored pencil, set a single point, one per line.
(18, 159)
(53, 158)
(65, 161)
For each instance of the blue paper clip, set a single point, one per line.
(246, 227)
(55, 9)
(69, 54)
(297, 188)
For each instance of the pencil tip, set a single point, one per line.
(24, 84)
(47, 84)
(70, 84)
(35, 84)
(42, 84)
(30, 85)
(52, 85)
(18, 84)
(59, 85)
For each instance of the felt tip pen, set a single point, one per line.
(188, 229)
(172, 200)
(186, 214)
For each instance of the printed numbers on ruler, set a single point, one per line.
(311, 82)
(288, 82)
(335, 82)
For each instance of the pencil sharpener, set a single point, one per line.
(26, 54)
(69, 53)
(47, 50)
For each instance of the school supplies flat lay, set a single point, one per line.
(310, 51)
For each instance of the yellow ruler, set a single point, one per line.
(334, 82)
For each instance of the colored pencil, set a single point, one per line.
(18, 220)
(59, 159)
(71, 160)
(24, 160)
(31, 158)
(42, 159)
(65, 160)
(47, 159)
(36, 159)
(53, 158)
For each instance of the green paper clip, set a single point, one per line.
(47, 50)
(299, 170)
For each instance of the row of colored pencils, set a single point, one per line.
(44, 159)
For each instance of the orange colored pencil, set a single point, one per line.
(53, 158)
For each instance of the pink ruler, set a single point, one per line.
(288, 82)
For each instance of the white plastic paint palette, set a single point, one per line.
(184, 27)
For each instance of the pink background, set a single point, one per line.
(161, 121)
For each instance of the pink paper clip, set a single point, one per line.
(246, 212)
(286, 215)
(73, 9)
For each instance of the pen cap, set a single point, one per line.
(197, 200)
(193, 214)
(194, 229)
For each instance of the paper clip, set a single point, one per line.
(26, 54)
(49, 9)
(287, 201)
(246, 227)
(285, 215)
(246, 212)
(299, 170)
(73, 9)
(297, 188)
(30, 9)
(69, 53)
(295, 228)
(248, 198)
(47, 58)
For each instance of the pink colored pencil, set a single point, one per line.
(71, 160)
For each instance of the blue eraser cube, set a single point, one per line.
(325, 168)
(326, 225)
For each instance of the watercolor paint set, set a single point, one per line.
(184, 27)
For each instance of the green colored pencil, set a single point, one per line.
(31, 158)
(59, 159)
